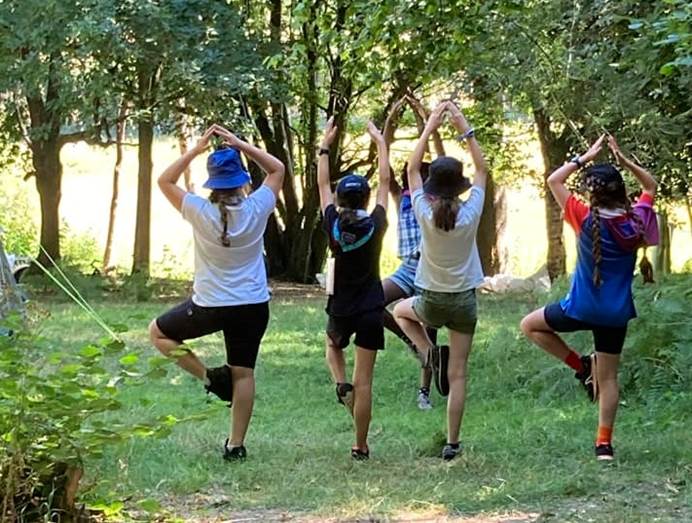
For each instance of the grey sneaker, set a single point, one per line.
(424, 399)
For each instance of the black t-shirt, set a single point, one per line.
(357, 285)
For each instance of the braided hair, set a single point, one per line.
(224, 198)
(607, 189)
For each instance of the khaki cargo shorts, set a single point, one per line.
(454, 310)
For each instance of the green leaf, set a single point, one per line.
(129, 359)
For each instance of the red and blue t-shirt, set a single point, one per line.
(611, 304)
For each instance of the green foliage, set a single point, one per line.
(16, 220)
(54, 399)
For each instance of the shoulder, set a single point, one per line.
(420, 201)
(193, 205)
(264, 197)
(379, 216)
(576, 212)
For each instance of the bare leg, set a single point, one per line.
(459, 350)
(362, 393)
(243, 401)
(412, 326)
(189, 361)
(607, 375)
(336, 361)
(537, 330)
(392, 293)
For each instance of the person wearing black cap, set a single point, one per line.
(449, 269)
(230, 285)
(356, 304)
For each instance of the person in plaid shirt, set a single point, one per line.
(400, 284)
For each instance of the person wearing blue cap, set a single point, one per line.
(356, 303)
(230, 292)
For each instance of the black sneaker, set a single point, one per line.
(360, 454)
(439, 362)
(587, 377)
(604, 452)
(451, 451)
(220, 382)
(344, 395)
(234, 453)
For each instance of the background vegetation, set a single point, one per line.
(97, 96)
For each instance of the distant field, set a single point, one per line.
(87, 192)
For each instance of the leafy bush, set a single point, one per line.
(16, 219)
(51, 417)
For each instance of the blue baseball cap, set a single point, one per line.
(226, 170)
(352, 183)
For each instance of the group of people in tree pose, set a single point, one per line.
(435, 285)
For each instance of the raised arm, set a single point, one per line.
(480, 175)
(415, 181)
(323, 183)
(271, 165)
(644, 177)
(556, 181)
(382, 165)
(168, 181)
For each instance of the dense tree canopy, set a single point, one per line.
(275, 70)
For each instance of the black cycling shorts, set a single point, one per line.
(606, 339)
(367, 326)
(243, 327)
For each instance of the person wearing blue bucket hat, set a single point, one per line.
(356, 301)
(230, 292)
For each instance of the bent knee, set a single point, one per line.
(154, 331)
(527, 325)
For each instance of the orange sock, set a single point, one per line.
(604, 435)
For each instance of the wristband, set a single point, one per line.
(323, 151)
(469, 133)
(579, 163)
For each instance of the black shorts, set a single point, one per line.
(367, 326)
(605, 339)
(243, 327)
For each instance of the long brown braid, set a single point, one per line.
(595, 238)
(224, 198)
(611, 194)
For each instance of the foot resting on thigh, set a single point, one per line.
(220, 382)
(587, 376)
(344, 395)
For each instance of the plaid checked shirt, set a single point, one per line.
(407, 228)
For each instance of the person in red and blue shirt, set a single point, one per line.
(609, 232)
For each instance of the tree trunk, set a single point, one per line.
(491, 228)
(48, 169)
(142, 245)
(662, 261)
(554, 150)
(119, 138)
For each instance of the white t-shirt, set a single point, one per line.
(449, 260)
(232, 275)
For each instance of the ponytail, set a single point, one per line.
(596, 241)
(347, 217)
(645, 267)
(223, 198)
(445, 212)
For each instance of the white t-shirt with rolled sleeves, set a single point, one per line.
(449, 260)
(232, 275)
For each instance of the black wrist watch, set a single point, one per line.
(576, 160)
(324, 151)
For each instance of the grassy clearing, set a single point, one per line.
(527, 434)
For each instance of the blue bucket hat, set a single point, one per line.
(352, 183)
(226, 170)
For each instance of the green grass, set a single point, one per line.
(527, 433)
